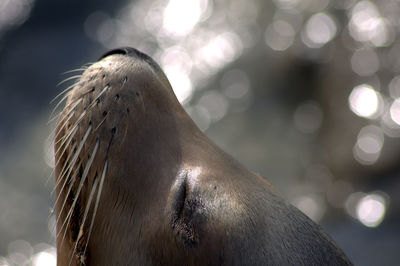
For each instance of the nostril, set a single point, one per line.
(122, 50)
(131, 52)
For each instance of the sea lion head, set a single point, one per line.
(138, 183)
(119, 149)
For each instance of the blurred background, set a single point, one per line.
(304, 92)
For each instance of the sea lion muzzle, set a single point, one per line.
(138, 183)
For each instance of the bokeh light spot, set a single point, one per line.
(177, 57)
(45, 258)
(389, 127)
(371, 210)
(180, 82)
(105, 31)
(14, 13)
(200, 116)
(365, 62)
(395, 111)
(287, 4)
(311, 205)
(394, 87)
(220, 50)
(319, 30)
(18, 259)
(279, 35)
(351, 203)
(308, 117)
(367, 25)
(48, 150)
(215, 103)
(369, 145)
(292, 16)
(364, 101)
(4, 261)
(92, 22)
(181, 16)
(235, 84)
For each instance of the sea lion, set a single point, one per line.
(138, 183)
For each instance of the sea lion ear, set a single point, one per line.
(122, 50)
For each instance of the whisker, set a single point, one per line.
(67, 139)
(80, 234)
(82, 181)
(78, 151)
(73, 161)
(68, 192)
(68, 79)
(69, 88)
(71, 109)
(56, 132)
(71, 182)
(103, 175)
(82, 68)
(67, 219)
(98, 96)
(102, 121)
(63, 168)
(124, 136)
(69, 215)
(90, 161)
(64, 91)
(76, 124)
(74, 70)
(65, 147)
(90, 106)
(51, 118)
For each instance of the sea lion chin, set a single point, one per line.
(137, 183)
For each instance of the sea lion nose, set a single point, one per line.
(125, 51)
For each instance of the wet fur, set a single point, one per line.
(137, 183)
